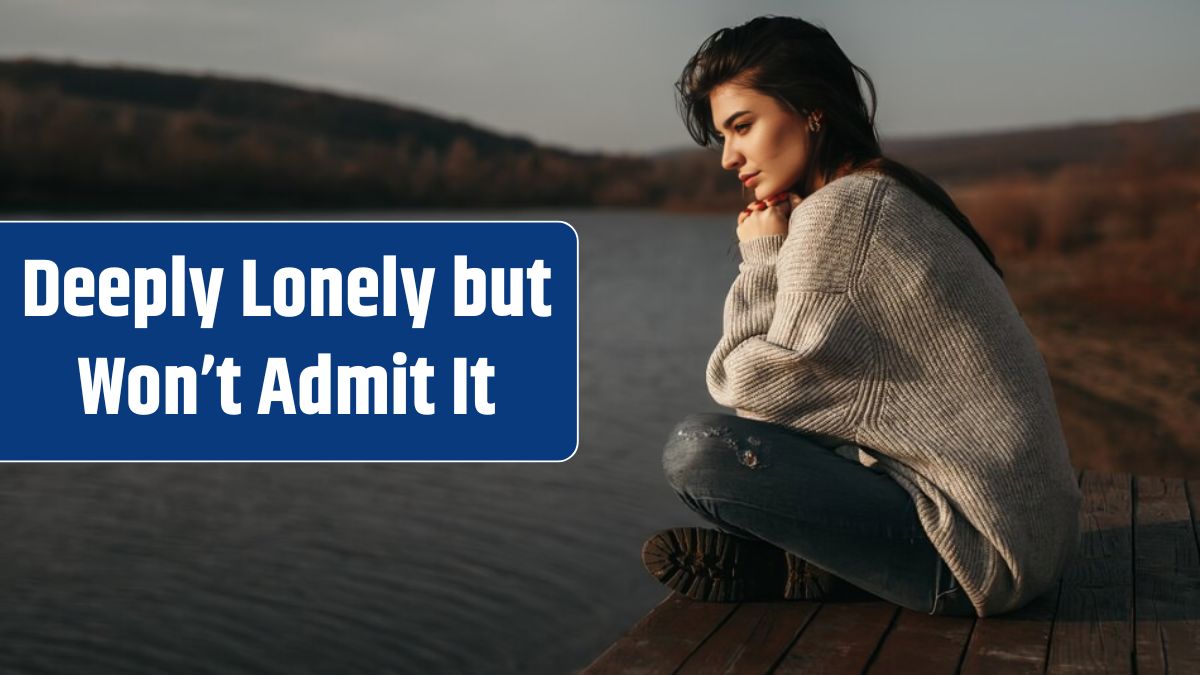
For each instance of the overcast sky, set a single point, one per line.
(588, 74)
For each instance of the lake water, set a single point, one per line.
(406, 568)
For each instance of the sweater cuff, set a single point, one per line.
(762, 250)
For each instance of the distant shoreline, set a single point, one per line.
(77, 139)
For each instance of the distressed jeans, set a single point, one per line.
(760, 480)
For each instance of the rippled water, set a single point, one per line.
(360, 568)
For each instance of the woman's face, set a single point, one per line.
(766, 143)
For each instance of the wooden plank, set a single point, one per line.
(1093, 630)
(920, 643)
(753, 639)
(1129, 601)
(664, 638)
(1015, 643)
(1167, 579)
(841, 638)
(1193, 493)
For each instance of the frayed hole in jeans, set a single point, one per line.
(748, 458)
(750, 451)
(704, 432)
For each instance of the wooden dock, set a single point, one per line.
(1129, 602)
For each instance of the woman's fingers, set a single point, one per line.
(778, 205)
(745, 213)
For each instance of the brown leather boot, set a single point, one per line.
(715, 566)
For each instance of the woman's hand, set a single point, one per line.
(766, 217)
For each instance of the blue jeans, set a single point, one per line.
(764, 481)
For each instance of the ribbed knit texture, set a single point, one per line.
(875, 322)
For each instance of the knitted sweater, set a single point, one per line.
(876, 323)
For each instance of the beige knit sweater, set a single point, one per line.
(875, 322)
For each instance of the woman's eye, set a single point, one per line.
(737, 128)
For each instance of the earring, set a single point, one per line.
(814, 124)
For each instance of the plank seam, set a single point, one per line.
(786, 650)
(1058, 597)
(1053, 620)
(1133, 513)
(962, 655)
(1187, 495)
(882, 638)
(711, 633)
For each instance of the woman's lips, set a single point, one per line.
(749, 178)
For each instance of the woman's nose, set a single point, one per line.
(730, 158)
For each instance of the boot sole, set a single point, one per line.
(713, 566)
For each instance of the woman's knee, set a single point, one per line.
(694, 450)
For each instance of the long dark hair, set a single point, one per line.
(804, 68)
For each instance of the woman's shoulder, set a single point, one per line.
(864, 179)
(830, 232)
(842, 204)
(861, 201)
(853, 187)
(860, 190)
(827, 231)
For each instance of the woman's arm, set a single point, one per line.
(750, 304)
(804, 366)
(762, 227)
(793, 346)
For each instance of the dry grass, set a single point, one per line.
(1105, 267)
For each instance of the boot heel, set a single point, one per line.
(806, 581)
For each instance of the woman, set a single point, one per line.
(895, 424)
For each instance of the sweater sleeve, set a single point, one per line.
(789, 349)
(750, 303)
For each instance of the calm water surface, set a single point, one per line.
(413, 568)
